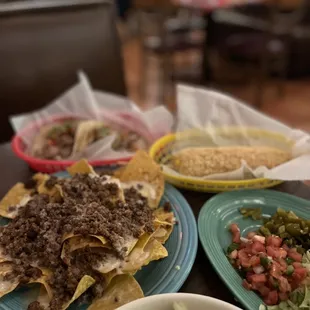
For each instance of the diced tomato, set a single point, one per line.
(274, 241)
(276, 252)
(275, 270)
(249, 275)
(258, 247)
(300, 273)
(284, 286)
(242, 245)
(256, 286)
(244, 258)
(248, 248)
(282, 253)
(275, 278)
(272, 298)
(264, 291)
(283, 296)
(246, 285)
(271, 251)
(283, 264)
(294, 255)
(258, 278)
(235, 232)
(254, 260)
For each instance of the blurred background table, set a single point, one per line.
(209, 5)
(238, 41)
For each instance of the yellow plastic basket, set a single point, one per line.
(162, 149)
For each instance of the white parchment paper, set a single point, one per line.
(83, 102)
(209, 110)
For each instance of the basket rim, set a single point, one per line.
(17, 141)
(163, 141)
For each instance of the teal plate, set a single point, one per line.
(164, 276)
(213, 226)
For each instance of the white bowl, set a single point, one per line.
(165, 302)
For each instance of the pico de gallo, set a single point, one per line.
(272, 268)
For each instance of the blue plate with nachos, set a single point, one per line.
(164, 276)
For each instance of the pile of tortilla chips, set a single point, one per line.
(121, 287)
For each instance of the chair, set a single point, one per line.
(266, 48)
(43, 44)
(171, 32)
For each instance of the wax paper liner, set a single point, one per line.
(81, 101)
(211, 111)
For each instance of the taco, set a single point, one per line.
(69, 139)
(55, 141)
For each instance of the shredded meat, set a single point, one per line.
(89, 207)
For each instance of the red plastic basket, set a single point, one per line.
(51, 166)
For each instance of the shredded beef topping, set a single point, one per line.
(35, 306)
(90, 206)
(84, 189)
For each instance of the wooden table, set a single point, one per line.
(202, 279)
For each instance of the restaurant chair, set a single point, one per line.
(264, 49)
(164, 31)
(43, 44)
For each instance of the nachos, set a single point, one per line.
(68, 139)
(83, 238)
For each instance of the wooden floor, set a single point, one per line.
(293, 108)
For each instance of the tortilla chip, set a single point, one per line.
(142, 168)
(111, 262)
(109, 276)
(17, 196)
(157, 251)
(145, 251)
(44, 299)
(118, 172)
(119, 195)
(103, 240)
(162, 216)
(85, 134)
(55, 192)
(79, 242)
(85, 283)
(90, 238)
(164, 222)
(165, 237)
(82, 166)
(162, 234)
(39, 178)
(122, 290)
(46, 289)
(5, 285)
